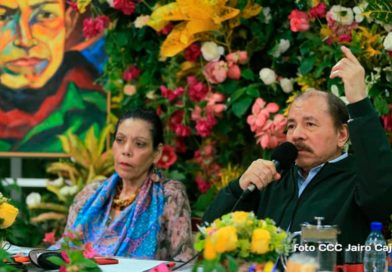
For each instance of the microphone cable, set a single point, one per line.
(188, 261)
(242, 196)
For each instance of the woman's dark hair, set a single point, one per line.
(150, 117)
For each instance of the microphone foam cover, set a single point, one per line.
(285, 154)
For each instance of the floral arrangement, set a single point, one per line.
(8, 215)
(240, 237)
(75, 256)
(223, 73)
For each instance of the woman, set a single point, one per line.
(136, 212)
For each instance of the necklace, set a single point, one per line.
(125, 202)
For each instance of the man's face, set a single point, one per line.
(32, 41)
(310, 127)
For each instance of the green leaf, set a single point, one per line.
(253, 91)
(381, 105)
(203, 201)
(248, 74)
(307, 65)
(241, 106)
(56, 260)
(380, 10)
(232, 264)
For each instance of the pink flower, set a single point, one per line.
(182, 130)
(387, 120)
(160, 268)
(175, 124)
(65, 257)
(215, 71)
(196, 89)
(260, 114)
(95, 26)
(167, 29)
(50, 237)
(345, 38)
(204, 126)
(272, 134)
(192, 53)
(171, 95)
(215, 103)
(299, 21)
(125, 6)
(132, 72)
(240, 57)
(73, 5)
(180, 145)
(62, 269)
(318, 11)
(202, 184)
(234, 72)
(89, 251)
(168, 158)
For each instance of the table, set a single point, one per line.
(125, 264)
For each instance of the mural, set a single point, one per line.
(47, 74)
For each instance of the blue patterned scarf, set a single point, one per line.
(134, 232)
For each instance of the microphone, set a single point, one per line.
(283, 157)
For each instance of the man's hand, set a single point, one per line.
(260, 173)
(353, 75)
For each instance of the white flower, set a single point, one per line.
(286, 84)
(33, 199)
(68, 190)
(141, 21)
(359, 11)
(268, 76)
(388, 42)
(57, 182)
(211, 51)
(267, 14)
(342, 15)
(335, 91)
(110, 2)
(151, 95)
(387, 28)
(281, 48)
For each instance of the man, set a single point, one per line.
(348, 191)
(43, 91)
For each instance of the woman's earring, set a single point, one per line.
(155, 175)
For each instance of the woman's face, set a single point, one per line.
(133, 150)
(32, 41)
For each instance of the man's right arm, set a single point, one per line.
(227, 198)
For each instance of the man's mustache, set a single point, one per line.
(303, 147)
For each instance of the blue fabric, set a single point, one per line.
(134, 232)
(304, 182)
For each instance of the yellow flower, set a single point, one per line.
(239, 218)
(198, 16)
(8, 215)
(209, 250)
(225, 239)
(260, 241)
(251, 9)
(82, 5)
(228, 174)
(268, 267)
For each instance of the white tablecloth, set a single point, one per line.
(124, 265)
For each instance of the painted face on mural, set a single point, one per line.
(32, 41)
